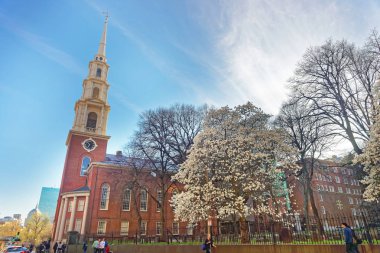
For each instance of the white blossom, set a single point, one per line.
(371, 155)
(232, 166)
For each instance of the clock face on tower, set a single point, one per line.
(89, 145)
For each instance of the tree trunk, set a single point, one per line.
(244, 235)
(351, 136)
(315, 211)
(305, 183)
(137, 211)
(163, 220)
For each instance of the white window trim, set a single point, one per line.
(159, 227)
(146, 192)
(83, 172)
(105, 227)
(175, 232)
(127, 232)
(79, 205)
(70, 207)
(107, 197)
(122, 204)
(190, 228)
(145, 223)
(76, 225)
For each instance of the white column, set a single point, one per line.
(63, 218)
(73, 214)
(58, 220)
(82, 230)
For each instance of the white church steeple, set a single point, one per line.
(102, 45)
(91, 110)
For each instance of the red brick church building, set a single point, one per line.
(95, 198)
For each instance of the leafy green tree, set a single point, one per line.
(37, 229)
(10, 228)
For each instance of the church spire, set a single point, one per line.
(102, 44)
(91, 110)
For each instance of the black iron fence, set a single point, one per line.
(288, 229)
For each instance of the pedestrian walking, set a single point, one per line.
(349, 235)
(41, 248)
(47, 246)
(102, 245)
(95, 246)
(107, 249)
(84, 247)
(31, 246)
(59, 248)
(209, 244)
(55, 247)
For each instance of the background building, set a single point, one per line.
(48, 201)
(30, 214)
(6, 219)
(17, 216)
(336, 190)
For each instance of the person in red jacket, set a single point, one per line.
(108, 248)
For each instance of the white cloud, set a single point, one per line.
(257, 44)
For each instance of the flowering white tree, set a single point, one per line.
(232, 167)
(371, 155)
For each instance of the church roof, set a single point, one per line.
(122, 160)
(117, 159)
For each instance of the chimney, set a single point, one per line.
(119, 153)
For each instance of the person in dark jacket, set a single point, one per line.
(55, 247)
(31, 246)
(64, 248)
(41, 248)
(351, 247)
(209, 244)
(47, 245)
(84, 247)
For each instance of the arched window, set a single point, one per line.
(85, 163)
(126, 199)
(91, 120)
(104, 196)
(98, 72)
(95, 92)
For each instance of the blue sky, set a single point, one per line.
(160, 53)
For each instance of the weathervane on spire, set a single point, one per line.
(105, 13)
